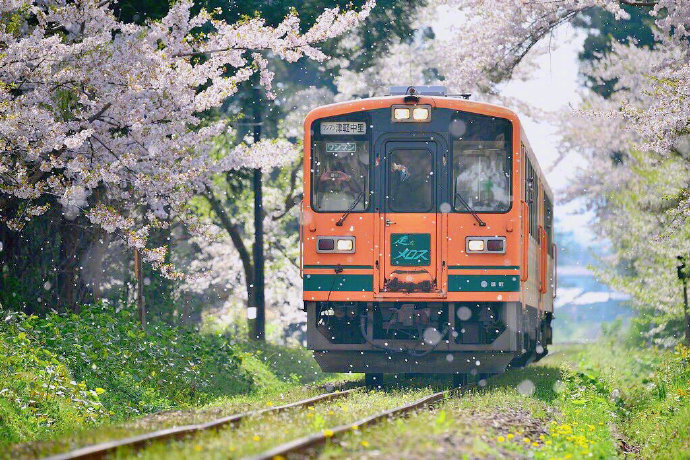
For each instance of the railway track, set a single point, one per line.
(102, 450)
(297, 446)
(302, 445)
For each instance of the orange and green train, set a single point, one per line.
(426, 237)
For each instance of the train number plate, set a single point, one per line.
(343, 127)
(411, 249)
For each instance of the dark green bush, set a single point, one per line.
(65, 370)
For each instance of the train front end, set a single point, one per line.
(411, 236)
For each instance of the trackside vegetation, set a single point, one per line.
(601, 400)
(67, 372)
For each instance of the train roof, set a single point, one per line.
(436, 96)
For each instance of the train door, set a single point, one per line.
(410, 219)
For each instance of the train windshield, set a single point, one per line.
(340, 175)
(482, 161)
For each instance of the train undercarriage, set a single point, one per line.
(426, 337)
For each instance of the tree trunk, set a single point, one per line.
(92, 263)
(139, 275)
(236, 237)
(67, 273)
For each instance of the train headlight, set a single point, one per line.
(401, 113)
(486, 244)
(345, 245)
(335, 244)
(420, 113)
(475, 245)
(411, 113)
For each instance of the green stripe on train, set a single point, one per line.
(340, 282)
(483, 267)
(484, 283)
(346, 267)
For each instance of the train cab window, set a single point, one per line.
(482, 162)
(340, 175)
(411, 181)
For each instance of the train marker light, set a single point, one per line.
(326, 244)
(494, 245)
(420, 113)
(401, 113)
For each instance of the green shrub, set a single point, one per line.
(64, 371)
(37, 392)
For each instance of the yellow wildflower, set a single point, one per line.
(269, 403)
(328, 433)
(510, 436)
(197, 448)
(364, 444)
(310, 408)
(501, 439)
(330, 412)
(535, 444)
(310, 414)
(256, 437)
(526, 440)
(355, 427)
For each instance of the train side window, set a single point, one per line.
(340, 175)
(531, 197)
(548, 223)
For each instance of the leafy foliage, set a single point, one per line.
(63, 371)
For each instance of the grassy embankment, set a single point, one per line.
(594, 401)
(64, 374)
(60, 376)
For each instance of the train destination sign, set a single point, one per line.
(343, 127)
(341, 147)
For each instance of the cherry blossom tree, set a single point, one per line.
(106, 119)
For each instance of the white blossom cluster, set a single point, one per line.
(637, 146)
(107, 117)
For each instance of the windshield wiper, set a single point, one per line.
(472, 211)
(349, 210)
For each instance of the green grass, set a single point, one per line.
(602, 400)
(71, 380)
(64, 375)
(648, 391)
(262, 433)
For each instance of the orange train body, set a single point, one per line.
(392, 209)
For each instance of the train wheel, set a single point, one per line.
(373, 380)
(459, 380)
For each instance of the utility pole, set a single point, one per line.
(683, 275)
(259, 332)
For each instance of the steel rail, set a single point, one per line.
(313, 440)
(101, 450)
